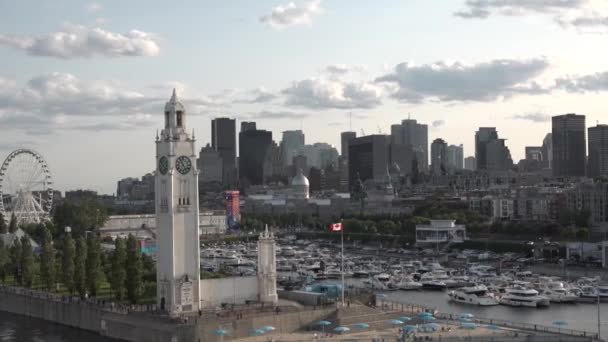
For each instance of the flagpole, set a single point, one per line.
(342, 239)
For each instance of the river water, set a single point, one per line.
(23, 329)
(578, 316)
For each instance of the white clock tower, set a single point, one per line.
(177, 214)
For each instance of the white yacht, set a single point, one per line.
(521, 296)
(475, 295)
(602, 290)
(435, 280)
(557, 293)
(587, 294)
(408, 284)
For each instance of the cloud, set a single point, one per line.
(534, 117)
(75, 41)
(259, 95)
(343, 69)
(437, 123)
(320, 93)
(481, 9)
(481, 82)
(586, 16)
(585, 83)
(291, 14)
(62, 101)
(94, 7)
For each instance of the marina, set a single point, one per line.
(486, 284)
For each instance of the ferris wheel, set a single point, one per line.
(25, 187)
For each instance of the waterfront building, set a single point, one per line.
(223, 140)
(590, 196)
(598, 151)
(568, 143)
(440, 231)
(177, 214)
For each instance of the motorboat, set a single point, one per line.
(602, 290)
(474, 295)
(587, 294)
(557, 293)
(360, 274)
(408, 284)
(522, 296)
(435, 280)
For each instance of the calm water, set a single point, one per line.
(22, 329)
(579, 316)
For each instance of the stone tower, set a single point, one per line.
(267, 268)
(177, 214)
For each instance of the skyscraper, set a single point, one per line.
(439, 156)
(254, 146)
(482, 137)
(455, 157)
(248, 126)
(291, 142)
(368, 156)
(534, 153)
(345, 138)
(498, 156)
(568, 135)
(410, 132)
(223, 140)
(547, 149)
(598, 151)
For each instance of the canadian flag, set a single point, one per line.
(335, 227)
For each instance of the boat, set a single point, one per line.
(408, 284)
(474, 295)
(434, 280)
(602, 290)
(587, 294)
(557, 293)
(522, 296)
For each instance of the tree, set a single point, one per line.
(3, 227)
(82, 216)
(47, 261)
(3, 259)
(118, 272)
(27, 262)
(582, 234)
(80, 260)
(93, 270)
(133, 281)
(15, 260)
(67, 262)
(12, 225)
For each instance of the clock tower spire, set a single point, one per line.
(177, 214)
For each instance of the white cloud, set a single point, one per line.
(487, 81)
(322, 93)
(81, 41)
(94, 7)
(292, 14)
(534, 117)
(585, 83)
(258, 95)
(437, 123)
(343, 69)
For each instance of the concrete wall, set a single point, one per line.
(283, 323)
(233, 290)
(135, 328)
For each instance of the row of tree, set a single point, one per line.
(11, 227)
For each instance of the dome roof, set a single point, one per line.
(300, 179)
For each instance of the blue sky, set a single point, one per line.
(84, 82)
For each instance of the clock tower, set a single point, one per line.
(177, 214)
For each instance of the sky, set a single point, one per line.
(84, 83)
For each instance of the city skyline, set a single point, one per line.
(85, 83)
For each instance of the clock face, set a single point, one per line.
(163, 165)
(183, 164)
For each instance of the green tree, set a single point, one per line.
(27, 262)
(3, 260)
(118, 271)
(133, 281)
(12, 225)
(80, 260)
(15, 260)
(93, 264)
(3, 226)
(582, 234)
(81, 216)
(67, 262)
(47, 261)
